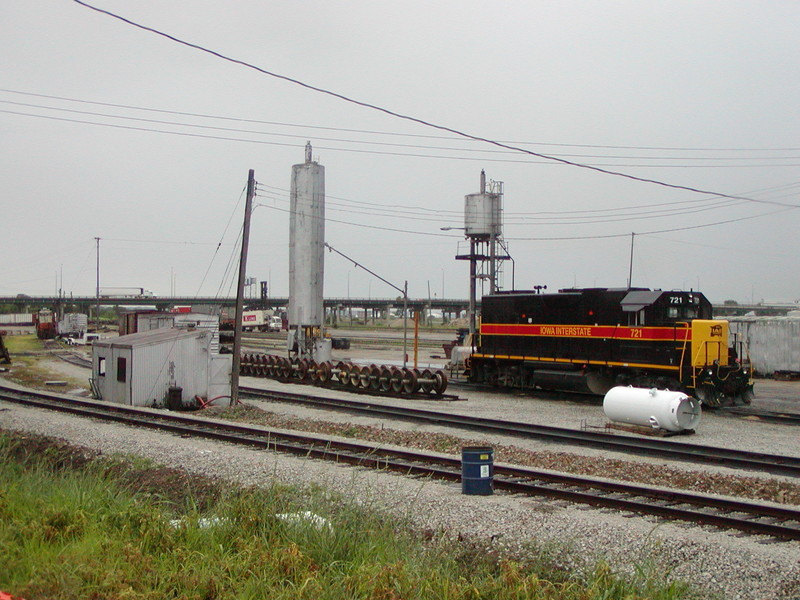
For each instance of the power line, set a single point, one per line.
(553, 238)
(391, 144)
(391, 133)
(529, 220)
(654, 232)
(411, 118)
(362, 151)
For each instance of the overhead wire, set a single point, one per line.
(410, 118)
(522, 219)
(414, 146)
(388, 153)
(219, 243)
(390, 133)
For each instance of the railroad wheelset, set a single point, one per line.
(400, 381)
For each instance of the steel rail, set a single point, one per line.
(753, 518)
(770, 416)
(757, 461)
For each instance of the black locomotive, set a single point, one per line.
(592, 339)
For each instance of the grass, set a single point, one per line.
(27, 352)
(76, 526)
(18, 344)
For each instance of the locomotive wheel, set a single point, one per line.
(302, 369)
(355, 376)
(363, 377)
(426, 381)
(272, 362)
(343, 374)
(374, 378)
(324, 372)
(441, 382)
(396, 380)
(708, 395)
(745, 397)
(410, 383)
(385, 379)
(313, 371)
(286, 368)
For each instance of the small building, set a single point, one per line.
(158, 367)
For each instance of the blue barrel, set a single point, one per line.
(477, 470)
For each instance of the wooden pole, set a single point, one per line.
(237, 320)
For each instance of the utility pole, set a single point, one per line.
(97, 288)
(630, 269)
(237, 320)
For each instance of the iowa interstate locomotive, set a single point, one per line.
(589, 340)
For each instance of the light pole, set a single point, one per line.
(97, 287)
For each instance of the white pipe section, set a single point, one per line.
(659, 409)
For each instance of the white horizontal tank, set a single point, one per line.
(659, 409)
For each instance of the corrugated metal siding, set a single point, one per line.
(773, 342)
(149, 322)
(181, 362)
(16, 319)
(209, 323)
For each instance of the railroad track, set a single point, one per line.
(759, 519)
(769, 416)
(654, 447)
(74, 359)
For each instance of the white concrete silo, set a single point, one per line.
(307, 259)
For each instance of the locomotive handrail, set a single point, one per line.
(683, 354)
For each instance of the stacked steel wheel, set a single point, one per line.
(382, 379)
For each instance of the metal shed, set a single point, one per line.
(773, 343)
(143, 369)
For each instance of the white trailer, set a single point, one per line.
(125, 292)
(258, 320)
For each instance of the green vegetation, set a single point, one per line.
(75, 526)
(28, 368)
(18, 344)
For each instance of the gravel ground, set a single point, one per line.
(719, 564)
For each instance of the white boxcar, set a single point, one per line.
(139, 369)
(773, 343)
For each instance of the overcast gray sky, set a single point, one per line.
(696, 94)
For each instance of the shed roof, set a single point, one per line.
(150, 338)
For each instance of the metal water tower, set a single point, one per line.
(483, 227)
(306, 312)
